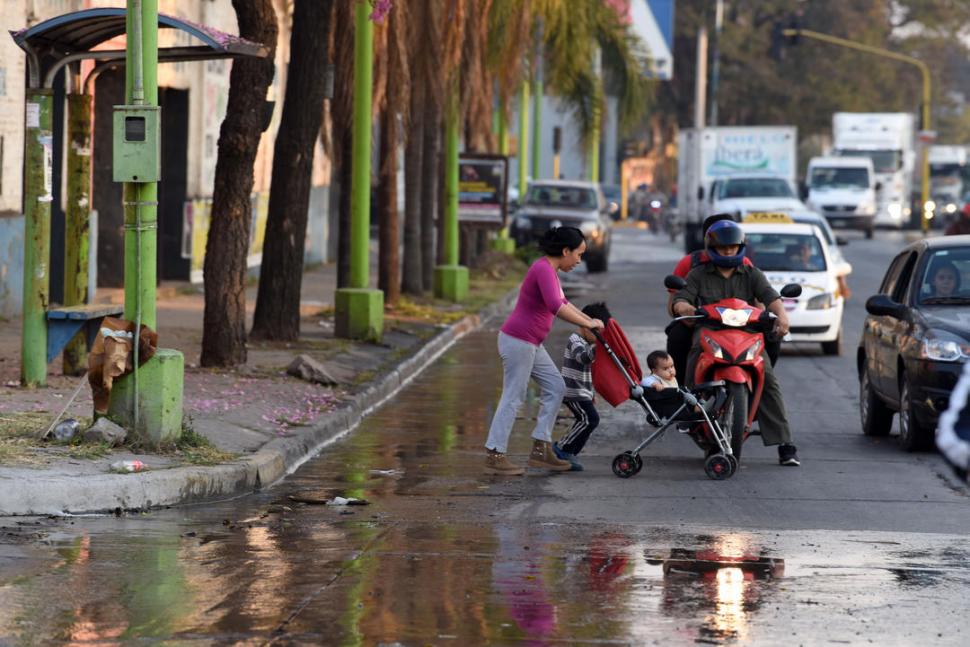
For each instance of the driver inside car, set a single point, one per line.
(725, 277)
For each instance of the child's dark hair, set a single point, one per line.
(558, 238)
(597, 310)
(653, 359)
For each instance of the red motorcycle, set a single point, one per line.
(732, 337)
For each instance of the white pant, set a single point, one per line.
(520, 361)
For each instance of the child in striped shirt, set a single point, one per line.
(578, 375)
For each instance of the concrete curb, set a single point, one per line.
(271, 463)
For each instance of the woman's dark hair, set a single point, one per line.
(653, 359)
(945, 265)
(558, 238)
(597, 310)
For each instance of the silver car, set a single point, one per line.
(558, 203)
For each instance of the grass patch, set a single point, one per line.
(195, 449)
(87, 451)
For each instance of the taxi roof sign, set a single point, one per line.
(768, 217)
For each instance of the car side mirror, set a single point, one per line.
(700, 193)
(881, 305)
(674, 282)
(791, 291)
(841, 242)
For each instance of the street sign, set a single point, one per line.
(482, 182)
(927, 136)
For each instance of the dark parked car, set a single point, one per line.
(558, 203)
(915, 340)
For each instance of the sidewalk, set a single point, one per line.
(258, 423)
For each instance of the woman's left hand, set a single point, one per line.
(596, 325)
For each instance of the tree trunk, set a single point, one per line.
(224, 268)
(344, 172)
(412, 280)
(281, 276)
(388, 255)
(430, 197)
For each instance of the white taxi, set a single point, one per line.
(798, 253)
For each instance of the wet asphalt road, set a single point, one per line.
(861, 545)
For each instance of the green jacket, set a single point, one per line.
(705, 285)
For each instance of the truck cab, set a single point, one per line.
(844, 190)
(740, 195)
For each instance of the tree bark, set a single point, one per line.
(412, 279)
(224, 268)
(430, 197)
(342, 121)
(344, 172)
(388, 254)
(277, 313)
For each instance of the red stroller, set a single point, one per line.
(618, 380)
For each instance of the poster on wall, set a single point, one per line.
(482, 182)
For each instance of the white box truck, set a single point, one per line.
(888, 139)
(713, 154)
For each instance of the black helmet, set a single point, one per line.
(725, 233)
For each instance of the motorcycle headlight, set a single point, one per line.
(951, 207)
(715, 348)
(523, 223)
(753, 351)
(940, 346)
(822, 301)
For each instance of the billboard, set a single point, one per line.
(482, 182)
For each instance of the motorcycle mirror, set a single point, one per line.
(791, 291)
(674, 282)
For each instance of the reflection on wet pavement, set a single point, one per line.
(445, 556)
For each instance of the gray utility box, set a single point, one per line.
(137, 144)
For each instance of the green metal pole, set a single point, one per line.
(503, 131)
(536, 126)
(594, 148)
(77, 235)
(451, 185)
(360, 187)
(141, 198)
(523, 140)
(38, 171)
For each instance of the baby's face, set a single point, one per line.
(665, 369)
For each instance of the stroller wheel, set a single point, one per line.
(735, 464)
(626, 465)
(718, 467)
(639, 463)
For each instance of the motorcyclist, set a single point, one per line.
(680, 335)
(961, 226)
(727, 276)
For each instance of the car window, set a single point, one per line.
(559, 196)
(902, 283)
(782, 252)
(764, 187)
(946, 278)
(889, 280)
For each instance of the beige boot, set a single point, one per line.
(499, 463)
(543, 456)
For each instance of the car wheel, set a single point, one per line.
(597, 263)
(833, 347)
(877, 418)
(912, 435)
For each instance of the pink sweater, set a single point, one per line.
(540, 298)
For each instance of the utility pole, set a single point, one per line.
(537, 104)
(700, 80)
(359, 310)
(593, 154)
(149, 400)
(715, 60)
(451, 279)
(523, 140)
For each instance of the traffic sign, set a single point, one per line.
(927, 136)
